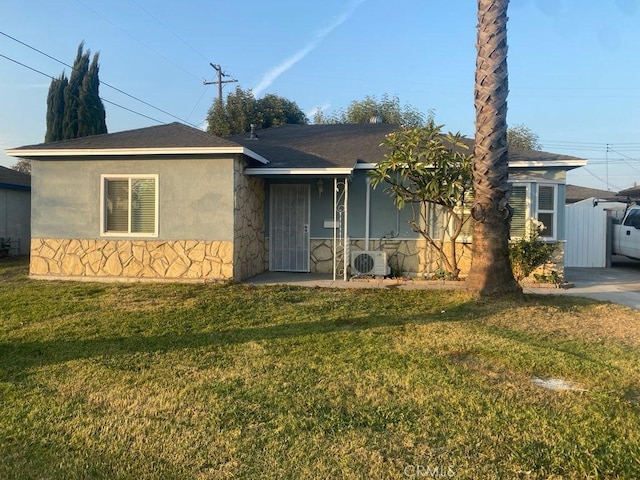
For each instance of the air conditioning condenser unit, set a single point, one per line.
(369, 262)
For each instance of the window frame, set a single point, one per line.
(553, 211)
(104, 178)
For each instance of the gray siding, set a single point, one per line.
(15, 211)
(196, 197)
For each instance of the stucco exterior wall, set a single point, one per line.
(196, 196)
(15, 214)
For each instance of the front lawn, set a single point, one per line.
(164, 381)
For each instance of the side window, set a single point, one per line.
(633, 219)
(546, 209)
(518, 202)
(129, 205)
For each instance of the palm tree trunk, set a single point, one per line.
(490, 273)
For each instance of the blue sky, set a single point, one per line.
(573, 64)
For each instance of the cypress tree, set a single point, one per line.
(72, 94)
(91, 114)
(74, 107)
(55, 108)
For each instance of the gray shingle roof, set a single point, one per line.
(288, 146)
(172, 135)
(633, 192)
(576, 193)
(319, 146)
(342, 145)
(12, 178)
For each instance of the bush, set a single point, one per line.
(530, 252)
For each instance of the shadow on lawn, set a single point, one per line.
(18, 358)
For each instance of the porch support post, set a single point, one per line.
(334, 247)
(367, 214)
(346, 225)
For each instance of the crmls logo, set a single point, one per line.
(429, 471)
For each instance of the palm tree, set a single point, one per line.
(490, 273)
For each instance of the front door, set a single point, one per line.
(289, 228)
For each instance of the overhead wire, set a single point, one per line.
(170, 30)
(137, 40)
(101, 81)
(101, 97)
(179, 37)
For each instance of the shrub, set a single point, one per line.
(530, 252)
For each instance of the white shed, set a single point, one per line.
(588, 233)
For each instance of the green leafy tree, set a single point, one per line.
(74, 107)
(241, 110)
(274, 111)
(424, 168)
(521, 136)
(490, 273)
(371, 110)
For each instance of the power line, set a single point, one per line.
(101, 82)
(101, 98)
(169, 29)
(136, 39)
(219, 82)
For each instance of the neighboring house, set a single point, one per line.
(173, 202)
(576, 193)
(631, 194)
(15, 212)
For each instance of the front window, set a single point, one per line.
(130, 205)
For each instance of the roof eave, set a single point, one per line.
(102, 152)
(262, 171)
(567, 164)
(559, 163)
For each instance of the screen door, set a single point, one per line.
(289, 228)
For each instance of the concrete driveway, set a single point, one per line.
(618, 284)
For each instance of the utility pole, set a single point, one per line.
(220, 81)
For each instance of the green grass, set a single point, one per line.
(162, 381)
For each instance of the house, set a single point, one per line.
(15, 211)
(173, 202)
(576, 193)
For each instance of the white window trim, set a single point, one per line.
(554, 212)
(103, 204)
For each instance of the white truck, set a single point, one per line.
(626, 234)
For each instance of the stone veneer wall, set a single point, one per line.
(409, 257)
(249, 238)
(132, 259)
(404, 256)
